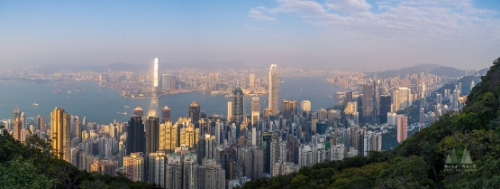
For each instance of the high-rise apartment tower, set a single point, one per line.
(273, 89)
(61, 133)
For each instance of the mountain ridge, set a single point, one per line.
(419, 68)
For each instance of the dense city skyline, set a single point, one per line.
(208, 150)
(344, 34)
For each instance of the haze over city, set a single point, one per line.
(343, 34)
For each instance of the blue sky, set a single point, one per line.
(333, 34)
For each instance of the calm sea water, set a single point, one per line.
(103, 105)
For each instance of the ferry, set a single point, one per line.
(35, 104)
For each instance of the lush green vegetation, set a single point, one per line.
(419, 161)
(32, 165)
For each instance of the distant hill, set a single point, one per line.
(426, 68)
(48, 69)
(448, 72)
(466, 82)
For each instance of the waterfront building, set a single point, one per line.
(165, 114)
(305, 105)
(194, 112)
(138, 111)
(156, 79)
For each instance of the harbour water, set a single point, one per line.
(103, 105)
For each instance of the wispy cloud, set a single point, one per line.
(349, 6)
(428, 19)
(259, 13)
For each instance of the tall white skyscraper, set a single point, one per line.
(155, 76)
(273, 89)
(305, 105)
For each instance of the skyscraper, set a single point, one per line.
(16, 113)
(61, 134)
(155, 77)
(42, 123)
(403, 99)
(168, 136)
(156, 168)
(255, 118)
(367, 103)
(167, 82)
(237, 106)
(194, 112)
(136, 138)
(211, 175)
(385, 107)
(84, 121)
(251, 80)
(23, 119)
(348, 96)
(17, 127)
(288, 107)
(138, 111)
(402, 128)
(376, 97)
(305, 105)
(395, 100)
(273, 89)
(165, 114)
(229, 110)
(255, 104)
(133, 166)
(152, 135)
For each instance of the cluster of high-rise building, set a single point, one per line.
(389, 102)
(217, 151)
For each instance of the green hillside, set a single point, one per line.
(32, 165)
(419, 162)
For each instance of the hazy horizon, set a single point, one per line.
(334, 34)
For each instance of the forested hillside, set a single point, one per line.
(32, 165)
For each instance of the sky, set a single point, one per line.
(330, 34)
